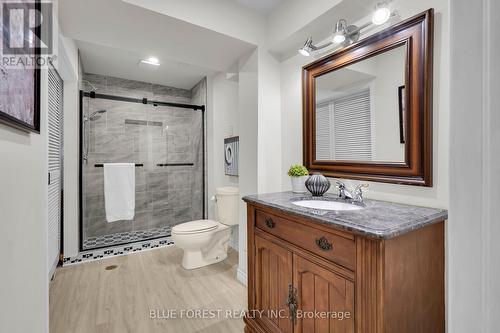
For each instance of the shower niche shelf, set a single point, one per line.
(143, 122)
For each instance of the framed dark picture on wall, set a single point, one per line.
(402, 113)
(20, 74)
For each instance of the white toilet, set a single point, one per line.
(205, 242)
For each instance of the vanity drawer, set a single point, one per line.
(323, 243)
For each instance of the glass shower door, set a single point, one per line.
(166, 143)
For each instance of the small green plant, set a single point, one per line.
(297, 170)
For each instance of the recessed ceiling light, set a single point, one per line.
(151, 64)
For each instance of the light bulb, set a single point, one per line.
(308, 47)
(382, 13)
(339, 32)
(338, 37)
(304, 52)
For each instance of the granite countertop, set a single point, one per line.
(378, 219)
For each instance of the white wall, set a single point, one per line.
(269, 120)
(492, 160)
(223, 122)
(23, 226)
(291, 108)
(260, 134)
(24, 282)
(248, 131)
(473, 230)
(292, 15)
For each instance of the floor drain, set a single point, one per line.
(110, 268)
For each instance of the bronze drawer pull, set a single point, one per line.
(270, 223)
(324, 244)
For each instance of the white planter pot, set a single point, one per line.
(299, 184)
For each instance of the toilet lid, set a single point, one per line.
(195, 226)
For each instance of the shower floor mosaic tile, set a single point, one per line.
(124, 237)
(117, 250)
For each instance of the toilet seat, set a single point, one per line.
(195, 227)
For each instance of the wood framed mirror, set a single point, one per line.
(367, 108)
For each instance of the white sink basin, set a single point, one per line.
(326, 205)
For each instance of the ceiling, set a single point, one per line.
(114, 35)
(114, 38)
(261, 6)
(343, 79)
(104, 60)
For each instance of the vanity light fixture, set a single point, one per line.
(346, 34)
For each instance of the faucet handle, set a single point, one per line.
(360, 186)
(358, 192)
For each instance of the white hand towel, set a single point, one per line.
(119, 191)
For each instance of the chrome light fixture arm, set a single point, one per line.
(319, 47)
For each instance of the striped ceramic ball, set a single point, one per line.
(317, 184)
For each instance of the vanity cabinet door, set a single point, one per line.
(324, 299)
(273, 278)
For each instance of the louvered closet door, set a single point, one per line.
(55, 167)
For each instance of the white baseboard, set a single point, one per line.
(242, 276)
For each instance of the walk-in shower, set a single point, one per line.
(166, 142)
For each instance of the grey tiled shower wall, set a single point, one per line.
(133, 132)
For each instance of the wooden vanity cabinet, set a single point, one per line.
(273, 278)
(307, 277)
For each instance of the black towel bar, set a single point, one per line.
(100, 165)
(174, 164)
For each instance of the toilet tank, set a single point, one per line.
(227, 205)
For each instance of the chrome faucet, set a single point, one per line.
(356, 195)
(344, 193)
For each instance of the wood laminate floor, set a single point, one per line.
(87, 298)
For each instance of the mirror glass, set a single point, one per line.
(360, 110)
